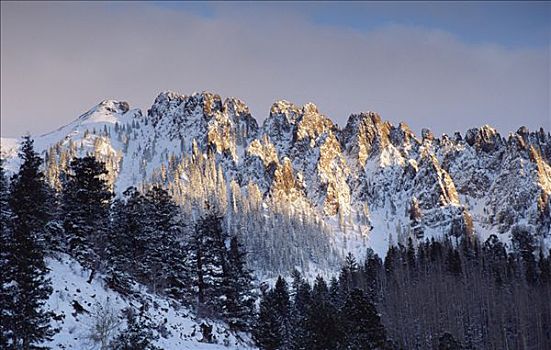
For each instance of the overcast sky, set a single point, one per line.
(446, 66)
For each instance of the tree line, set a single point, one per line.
(452, 293)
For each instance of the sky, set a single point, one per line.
(447, 66)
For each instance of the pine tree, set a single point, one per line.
(544, 265)
(126, 246)
(390, 259)
(373, 268)
(453, 262)
(29, 322)
(164, 257)
(448, 342)
(322, 323)
(523, 245)
(239, 296)
(6, 276)
(137, 335)
(348, 278)
(273, 317)
(496, 256)
(299, 312)
(30, 198)
(361, 324)
(207, 257)
(86, 201)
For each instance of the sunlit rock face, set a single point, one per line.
(369, 178)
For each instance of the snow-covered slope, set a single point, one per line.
(301, 191)
(78, 304)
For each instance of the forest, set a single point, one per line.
(452, 293)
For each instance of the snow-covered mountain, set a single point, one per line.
(300, 190)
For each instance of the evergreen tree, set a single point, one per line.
(544, 264)
(86, 201)
(299, 312)
(390, 259)
(373, 268)
(348, 278)
(208, 257)
(6, 276)
(523, 245)
(322, 323)
(30, 198)
(361, 324)
(137, 335)
(496, 258)
(29, 287)
(448, 342)
(126, 246)
(239, 298)
(165, 258)
(453, 262)
(273, 317)
(411, 258)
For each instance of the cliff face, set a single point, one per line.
(367, 181)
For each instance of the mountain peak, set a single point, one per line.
(105, 107)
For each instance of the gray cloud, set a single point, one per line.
(60, 59)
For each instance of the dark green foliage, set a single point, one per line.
(312, 318)
(85, 203)
(207, 262)
(165, 258)
(144, 243)
(300, 309)
(429, 295)
(322, 322)
(25, 287)
(238, 303)
(523, 244)
(126, 245)
(447, 342)
(30, 197)
(496, 258)
(273, 317)
(361, 324)
(137, 335)
(5, 266)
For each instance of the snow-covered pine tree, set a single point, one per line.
(165, 256)
(322, 323)
(362, 325)
(348, 278)
(523, 246)
(36, 207)
(126, 246)
(273, 313)
(28, 323)
(299, 312)
(5, 267)
(207, 259)
(86, 201)
(372, 271)
(239, 302)
(137, 335)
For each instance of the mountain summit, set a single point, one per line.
(299, 184)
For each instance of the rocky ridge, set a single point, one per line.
(369, 182)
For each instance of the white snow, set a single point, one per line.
(69, 281)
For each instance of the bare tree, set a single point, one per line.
(105, 322)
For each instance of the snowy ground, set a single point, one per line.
(178, 328)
